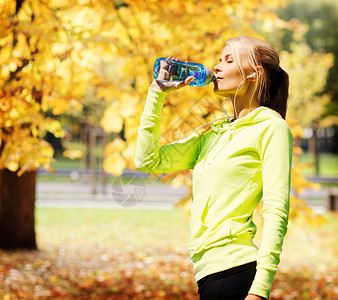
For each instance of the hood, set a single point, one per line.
(260, 114)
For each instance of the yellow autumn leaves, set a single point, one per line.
(42, 75)
(118, 156)
(307, 80)
(52, 52)
(49, 61)
(23, 152)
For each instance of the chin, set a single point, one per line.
(220, 92)
(216, 90)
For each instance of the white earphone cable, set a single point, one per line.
(225, 104)
(235, 98)
(250, 76)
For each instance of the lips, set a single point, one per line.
(218, 78)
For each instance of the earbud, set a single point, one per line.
(253, 75)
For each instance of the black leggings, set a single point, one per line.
(231, 284)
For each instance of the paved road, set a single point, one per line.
(135, 195)
(132, 195)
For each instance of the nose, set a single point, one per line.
(216, 68)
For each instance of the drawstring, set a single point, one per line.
(213, 143)
(221, 147)
(231, 126)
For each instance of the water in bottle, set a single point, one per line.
(179, 71)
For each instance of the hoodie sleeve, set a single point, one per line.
(276, 159)
(150, 156)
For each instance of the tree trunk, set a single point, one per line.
(17, 199)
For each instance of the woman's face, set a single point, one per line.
(228, 77)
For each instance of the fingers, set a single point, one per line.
(173, 58)
(168, 69)
(189, 79)
(185, 82)
(168, 86)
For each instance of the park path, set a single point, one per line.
(132, 195)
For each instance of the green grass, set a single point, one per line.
(111, 227)
(141, 229)
(328, 164)
(53, 178)
(66, 163)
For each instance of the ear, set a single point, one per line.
(259, 72)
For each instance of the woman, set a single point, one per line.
(235, 163)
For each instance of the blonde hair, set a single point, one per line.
(273, 85)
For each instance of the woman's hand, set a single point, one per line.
(253, 297)
(167, 86)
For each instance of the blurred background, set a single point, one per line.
(77, 221)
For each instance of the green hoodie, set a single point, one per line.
(234, 165)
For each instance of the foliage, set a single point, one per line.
(145, 30)
(321, 19)
(52, 57)
(37, 79)
(56, 53)
(52, 51)
(306, 82)
(306, 101)
(186, 110)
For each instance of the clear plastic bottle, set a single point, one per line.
(179, 71)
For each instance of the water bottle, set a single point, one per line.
(179, 71)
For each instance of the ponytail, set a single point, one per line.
(276, 93)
